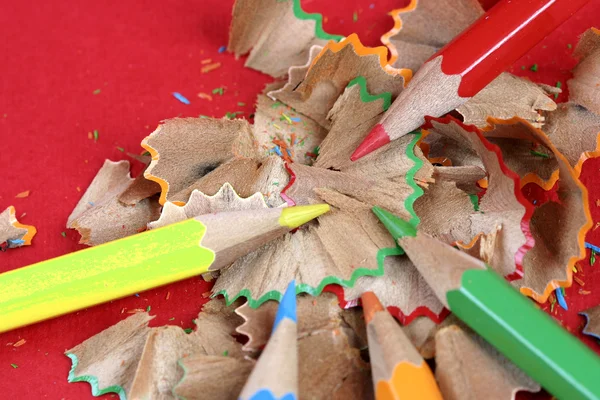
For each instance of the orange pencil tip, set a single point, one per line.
(371, 305)
(378, 137)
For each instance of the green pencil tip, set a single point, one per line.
(395, 225)
(293, 217)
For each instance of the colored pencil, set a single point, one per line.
(468, 63)
(500, 314)
(140, 262)
(275, 376)
(399, 372)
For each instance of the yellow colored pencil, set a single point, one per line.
(140, 262)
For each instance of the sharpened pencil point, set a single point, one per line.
(287, 307)
(371, 305)
(395, 225)
(377, 138)
(293, 217)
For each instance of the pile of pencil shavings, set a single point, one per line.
(458, 179)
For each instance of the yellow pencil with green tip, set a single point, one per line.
(141, 262)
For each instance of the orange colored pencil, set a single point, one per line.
(399, 371)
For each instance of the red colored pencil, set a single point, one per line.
(468, 63)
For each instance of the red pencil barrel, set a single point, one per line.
(500, 37)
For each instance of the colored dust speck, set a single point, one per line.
(205, 96)
(241, 104)
(225, 353)
(592, 258)
(210, 67)
(222, 49)
(122, 150)
(63, 234)
(171, 319)
(148, 308)
(232, 115)
(181, 98)
(569, 46)
(561, 298)
(15, 366)
(538, 154)
(276, 104)
(534, 68)
(219, 91)
(22, 195)
(558, 85)
(355, 16)
(96, 135)
(20, 343)
(188, 330)
(97, 91)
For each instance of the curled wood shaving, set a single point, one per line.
(277, 33)
(100, 217)
(592, 324)
(467, 367)
(181, 161)
(331, 72)
(328, 346)
(279, 129)
(401, 289)
(574, 131)
(557, 227)
(505, 97)
(425, 26)
(140, 189)
(502, 205)
(226, 199)
(584, 88)
(12, 232)
(136, 361)
(214, 377)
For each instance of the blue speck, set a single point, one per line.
(278, 151)
(372, 6)
(561, 299)
(591, 246)
(295, 119)
(181, 98)
(222, 49)
(288, 152)
(12, 243)
(137, 295)
(534, 202)
(91, 203)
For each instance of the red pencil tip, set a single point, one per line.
(377, 138)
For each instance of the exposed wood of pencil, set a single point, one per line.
(388, 345)
(430, 92)
(231, 235)
(277, 368)
(441, 265)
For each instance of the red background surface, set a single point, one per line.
(56, 54)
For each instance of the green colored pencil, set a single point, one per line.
(501, 315)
